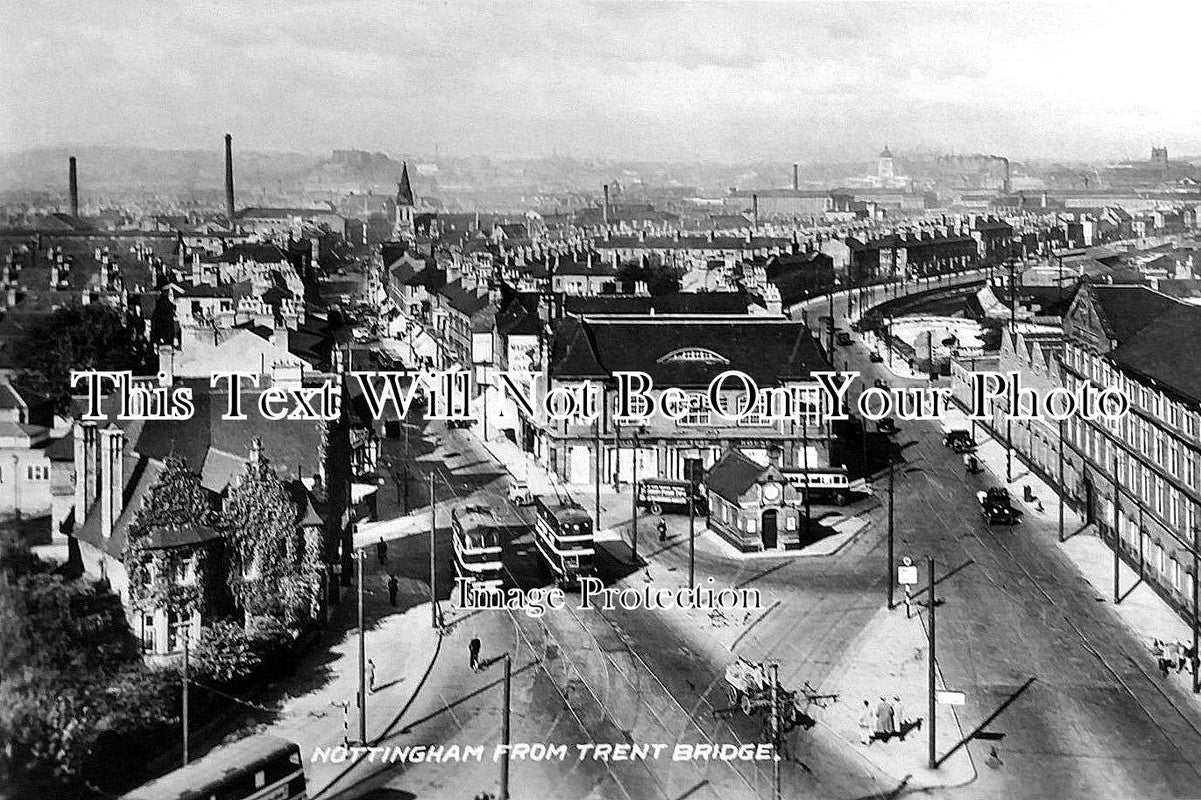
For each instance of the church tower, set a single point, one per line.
(406, 207)
(885, 170)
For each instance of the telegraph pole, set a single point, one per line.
(932, 660)
(362, 658)
(1009, 448)
(1116, 535)
(504, 730)
(598, 471)
(189, 636)
(1062, 488)
(433, 577)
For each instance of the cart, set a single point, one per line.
(749, 690)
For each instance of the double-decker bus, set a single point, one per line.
(256, 768)
(822, 483)
(476, 534)
(563, 534)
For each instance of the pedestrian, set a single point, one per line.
(1179, 655)
(393, 589)
(662, 530)
(884, 719)
(370, 676)
(866, 718)
(381, 550)
(473, 649)
(898, 717)
(1161, 656)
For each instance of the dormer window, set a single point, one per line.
(693, 355)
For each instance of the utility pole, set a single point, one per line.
(805, 456)
(189, 636)
(433, 577)
(891, 556)
(362, 657)
(634, 500)
(691, 526)
(504, 730)
(1116, 555)
(831, 325)
(932, 661)
(775, 731)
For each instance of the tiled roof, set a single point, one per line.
(733, 476)
(1166, 350)
(1125, 310)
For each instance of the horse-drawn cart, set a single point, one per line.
(749, 689)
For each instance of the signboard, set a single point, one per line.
(950, 698)
(907, 573)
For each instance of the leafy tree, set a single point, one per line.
(274, 569)
(74, 337)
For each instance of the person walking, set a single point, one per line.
(1161, 656)
(381, 550)
(393, 589)
(473, 650)
(884, 719)
(898, 717)
(370, 676)
(662, 529)
(866, 719)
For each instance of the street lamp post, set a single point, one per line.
(634, 499)
(359, 555)
(1009, 448)
(1062, 488)
(1196, 618)
(504, 730)
(891, 557)
(433, 576)
(188, 635)
(691, 525)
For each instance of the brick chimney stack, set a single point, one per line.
(229, 179)
(73, 181)
(796, 177)
(112, 477)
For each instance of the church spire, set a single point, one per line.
(404, 190)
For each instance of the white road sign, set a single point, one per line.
(907, 575)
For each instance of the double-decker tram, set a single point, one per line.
(476, 534)
(564, 536)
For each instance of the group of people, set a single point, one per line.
(884, 721)
(1171, 655)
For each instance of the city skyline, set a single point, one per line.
(643, 81)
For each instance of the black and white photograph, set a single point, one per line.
(600, 400)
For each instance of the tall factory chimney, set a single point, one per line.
(229, 179)
(74, 187)
(796, 177)
(606, 208)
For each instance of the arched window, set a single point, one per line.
(696, 355)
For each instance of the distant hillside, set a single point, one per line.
(129, 168)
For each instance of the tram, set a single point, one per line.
(564, 536)
(476, 534)
(261, 767)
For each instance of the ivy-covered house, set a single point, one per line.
(197, 520)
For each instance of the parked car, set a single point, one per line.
(887, 426)
(519, 492)
(843, 338)
(996, 506)
(959, 441)
(875, 357)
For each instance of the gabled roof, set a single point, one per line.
(1124, 310)
(733, 476)
(1166, 350)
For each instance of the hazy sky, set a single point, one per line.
(709, 80)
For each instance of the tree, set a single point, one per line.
(74, 337)
(274, 570)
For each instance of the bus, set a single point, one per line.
(563, 534)
(824, 483)
(657, 494)
(259, 767)
(476, 534)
